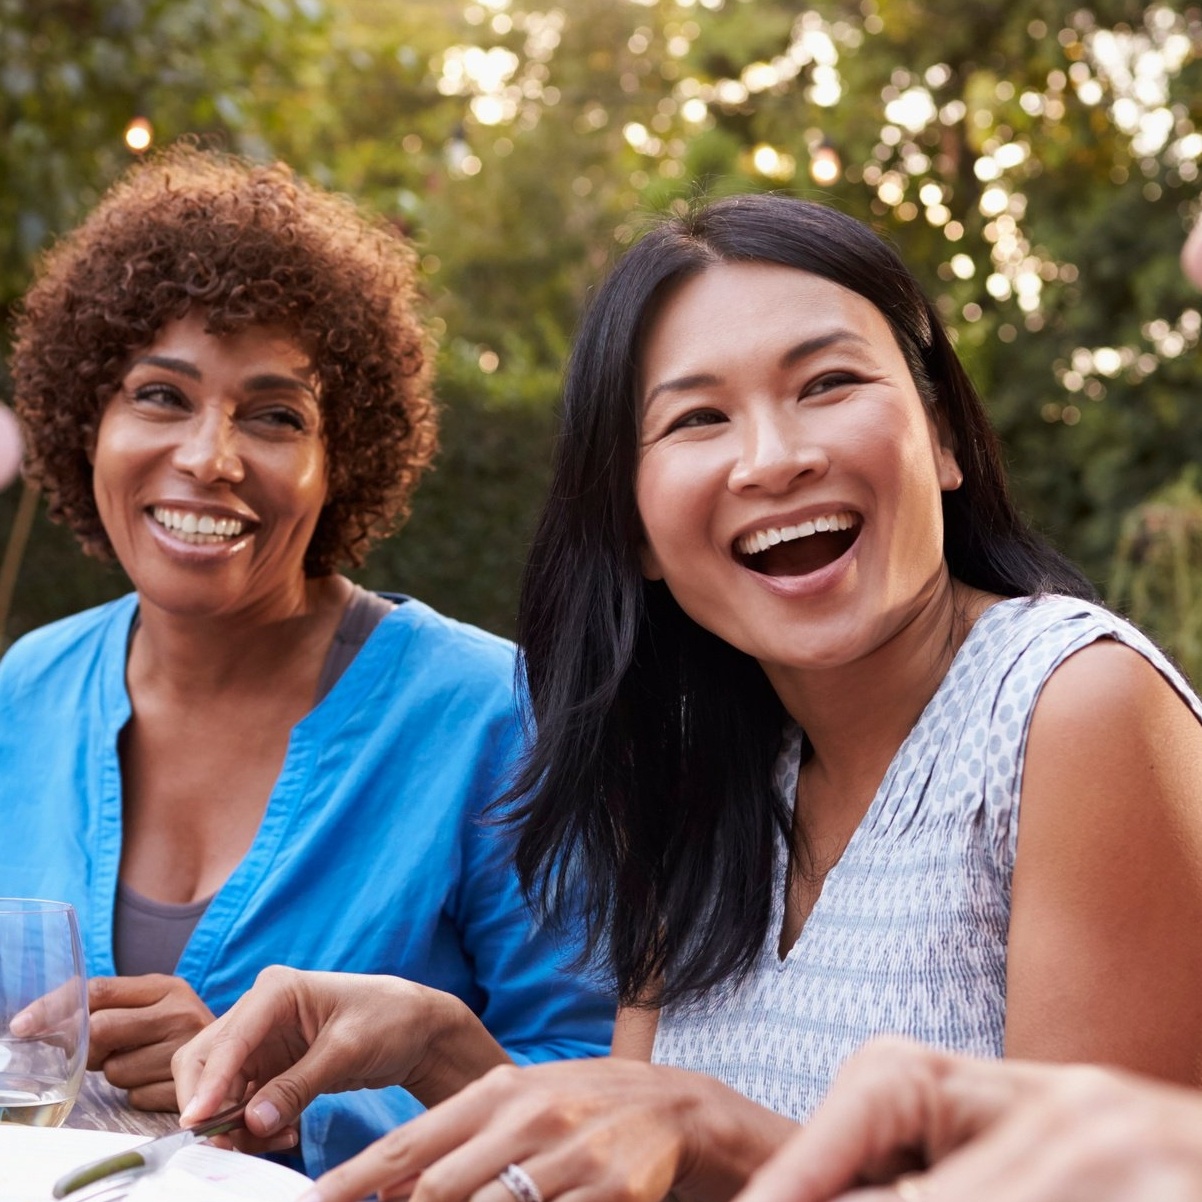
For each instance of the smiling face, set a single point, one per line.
(209, 469)
(789, 477)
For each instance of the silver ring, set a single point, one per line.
(520, 1184)
(909, 1188)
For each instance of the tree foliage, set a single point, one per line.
(1035, 161)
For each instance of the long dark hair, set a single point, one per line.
(648, 788)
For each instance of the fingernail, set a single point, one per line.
(22, 1024)
(267, 1114)
(284, 1143)
(187, 1114)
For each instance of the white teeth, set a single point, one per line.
(196, 528)
(770, 536)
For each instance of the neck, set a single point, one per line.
(857, 715)
(214, 654)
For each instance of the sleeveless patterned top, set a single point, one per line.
(908, 936)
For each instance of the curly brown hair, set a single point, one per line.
(195, 229)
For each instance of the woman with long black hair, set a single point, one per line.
(797, 666)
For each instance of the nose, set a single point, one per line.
(774, 452)
(208, 448)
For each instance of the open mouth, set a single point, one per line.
(199, 529)
(801, 549)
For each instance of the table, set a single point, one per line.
(102, 1107)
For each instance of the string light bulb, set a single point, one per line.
(139, 134)
(825, 165)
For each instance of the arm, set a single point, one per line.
(1104, 954)
(994, 1131)
(605, 1126)
(307, 1033)
(634, 1033)
(530, 993)
(597, 1129)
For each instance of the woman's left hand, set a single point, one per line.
(137, 1023)
(988, 1131)
(595, 1129)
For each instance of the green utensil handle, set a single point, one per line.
(125, 1162)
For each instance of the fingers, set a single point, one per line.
(242, 1141)
(392, 1164)
(140, 1067)
(130, 1013)
(991, 1131)
(572, 1143)
(872, 1124)
(208, 1072)
(285, 1096)
(212, 1069)
(305, 1033)
(117, 1032)
(51, 1013)
(106, 993)
(154, 1095)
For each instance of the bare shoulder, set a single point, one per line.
(1108, 699)
(1103, 959)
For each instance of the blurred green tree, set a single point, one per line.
(1035, 161)
(1156, 578)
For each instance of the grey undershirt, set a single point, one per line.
(149, 935)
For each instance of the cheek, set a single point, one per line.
(678, 506)
(107, 458)
(644, 501)
(665, 506)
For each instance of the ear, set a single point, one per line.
(946, 468)
(649, 562)
(950, 475)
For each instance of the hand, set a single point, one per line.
(137, 1023)
(305, 1033)
(1191, 255)
(594, 1129)
(992, 1131)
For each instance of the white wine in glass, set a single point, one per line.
(43, 1011)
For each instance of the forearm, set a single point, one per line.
(458, 1050)
(730, 1137)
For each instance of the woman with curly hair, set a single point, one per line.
(250, 760)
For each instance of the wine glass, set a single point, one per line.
(43, 1011)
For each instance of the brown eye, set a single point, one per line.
(283, 417)
(160, 395)
(698, 417)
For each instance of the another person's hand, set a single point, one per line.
(1191, 255)
(298, 1034)
(953, 1128)
(136, 1026)
(592, 1129)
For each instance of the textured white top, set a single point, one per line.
(908, 936)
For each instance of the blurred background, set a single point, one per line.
(1036, 162)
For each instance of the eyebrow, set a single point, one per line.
(267, 382)
(262, 383)
(793, 355)
(182, 366)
